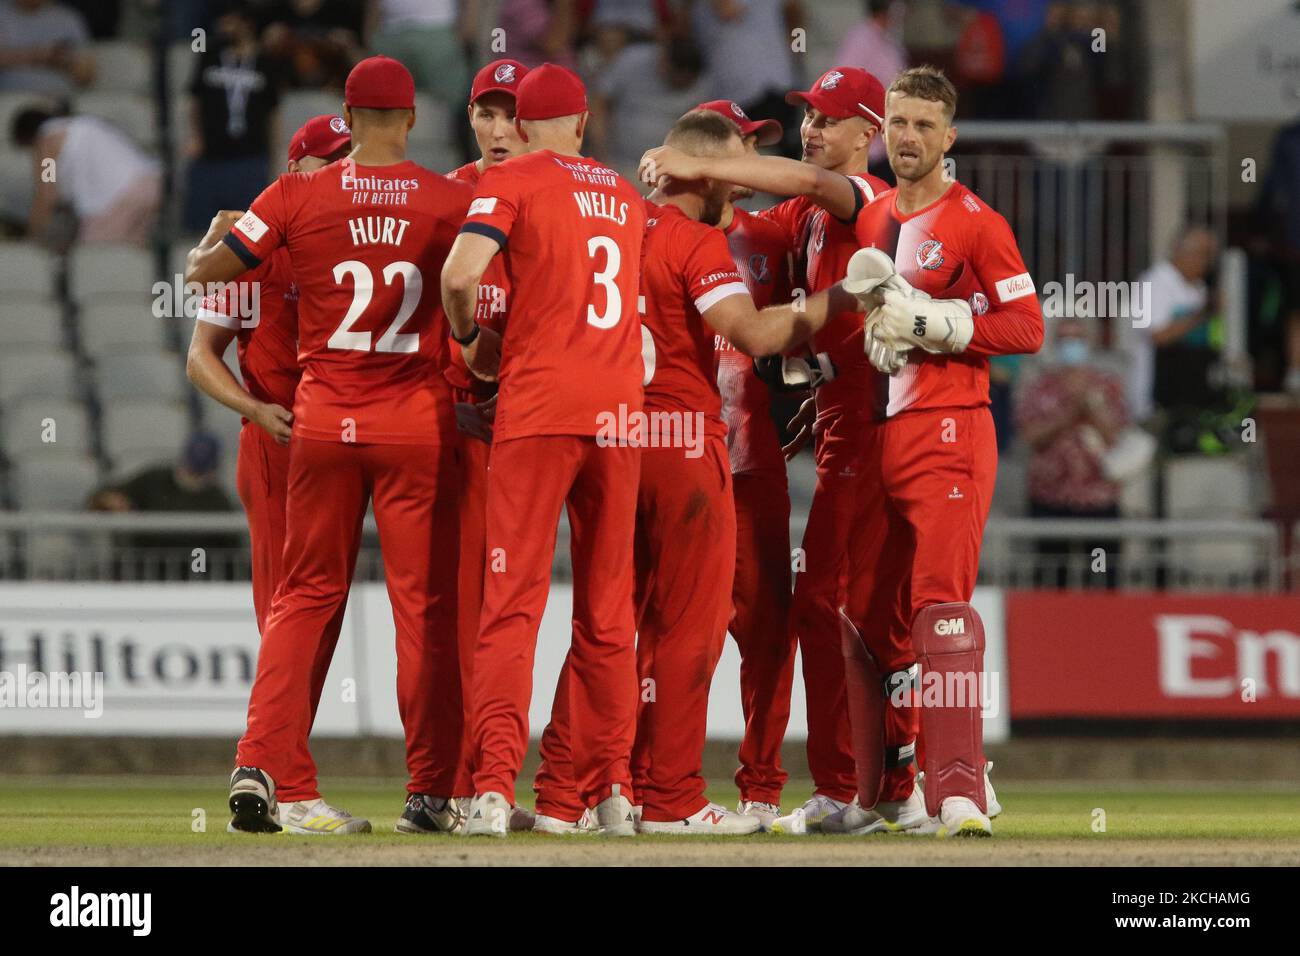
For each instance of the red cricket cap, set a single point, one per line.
(768, 130)
(549, 91)
(499, 76)
(320, 136)
(845, 91)
(380, 83)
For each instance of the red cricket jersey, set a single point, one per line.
(823, 246)
(762, 254)
(490, 312)
(686, 268)
(366, 245)
(570, 231)
(261, 307)
(955, 248)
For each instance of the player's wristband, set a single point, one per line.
(469, 339)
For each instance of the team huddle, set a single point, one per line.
(473, 353)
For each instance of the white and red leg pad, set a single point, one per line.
(949, 640)
(865, 689)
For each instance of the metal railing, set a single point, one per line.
(1134, 554)
(1098, 201)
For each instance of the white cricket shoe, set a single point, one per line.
(614, 815)
(809, 817)
(990, 798)
(713, 820)
(887, 816)
(958, 817)
(489, 815)
(585, 826)
(318, 818)
(766, 813)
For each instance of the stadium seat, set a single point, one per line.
(28, 321)
(122, 67)
(132, 113)
(1197, 487)
(142, 431)
(110, 270)
(25, 428)
(16, 187)
(120, 327)
(138, 374)
(48, 484)
(296, 108)
(26, 268)
(27, 372)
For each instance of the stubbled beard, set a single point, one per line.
(711, 215)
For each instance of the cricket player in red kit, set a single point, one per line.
(373, 421)
(686, 534)
(950, 289)
(760, 594)
(843, 110)
(569, 230)
(267, 352)
(492, 117)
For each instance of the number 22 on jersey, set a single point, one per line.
(363, 287)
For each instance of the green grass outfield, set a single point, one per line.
(181, 821)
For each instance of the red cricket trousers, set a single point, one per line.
(818, 594)
(472, 506)
(529, 480)
(413, 489)
(917, 539)
(262, 481)
(685, 563)
(760, 625)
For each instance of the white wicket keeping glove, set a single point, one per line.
(882, 357)
(941, 326)
(795, 373)
(870, 272)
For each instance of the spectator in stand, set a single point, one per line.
(1279, 213)
(44, 48)
(747, 46)
(317, 40)
(1020, 20)
(1070, 416)
(102, 17)
(234, 99)
(873, 45)
(639, 96)
(1064, 77)
(188, 484)
(1171, 351)
(616, 24)
(541, 31)
(113, 188)
(979, 62)
(429, 37)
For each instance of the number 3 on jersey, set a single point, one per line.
(606, 278)
(363, 287)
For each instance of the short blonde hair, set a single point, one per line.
(926, 83)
